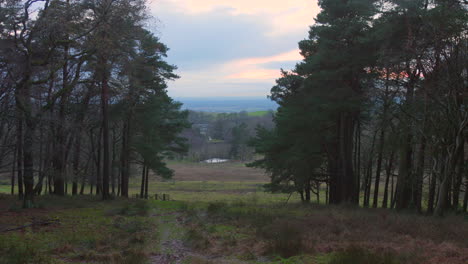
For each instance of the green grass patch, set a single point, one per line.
(87, 231)
(258, 113)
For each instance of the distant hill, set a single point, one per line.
(228, 104)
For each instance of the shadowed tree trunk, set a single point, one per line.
(143, 180)
(146, 183)
(13, 170)
(432, 186)
(379, 167)
(388, 171)
(459, 178)
(19, 148)
(124, 157)
(105, 138)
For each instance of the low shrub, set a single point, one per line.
(358, 255)
(135, 208)
(216, 208)
(284, 238)
(20, 249)
(195, 238)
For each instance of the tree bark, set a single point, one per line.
(105, 138)
(142, 186)
(343, 181)
(389, 170)
(13, 171)
(379, 167)
(19, 147)
(459, 178)
(146, 182)
(125, 157)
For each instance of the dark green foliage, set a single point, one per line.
(156, 138)
(240, 136)
(155, 120)
(376, 89)
(320, 102)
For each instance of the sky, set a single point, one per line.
(230, 48)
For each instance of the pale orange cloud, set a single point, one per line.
(279, 22)
(257, 74)
(239, 6)
(253, 69)
(292, 55)
(283, 16)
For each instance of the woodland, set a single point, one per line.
(364, 159)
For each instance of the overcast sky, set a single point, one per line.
(231, 47)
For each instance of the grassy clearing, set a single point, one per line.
(79, 230)
(258, 113)
(88, 230)
(219, 214)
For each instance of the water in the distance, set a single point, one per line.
(215, 160)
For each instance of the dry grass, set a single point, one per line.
(323, 230)
(224, 172)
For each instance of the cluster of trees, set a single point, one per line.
(83, 97)
(378, 108)
(223, 135)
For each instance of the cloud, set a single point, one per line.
(254, 68)
(231, 47)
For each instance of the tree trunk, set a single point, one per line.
(114, 146)
(105, 138)
(451, 160)
(465, 197)
(418, 188)
(459, 178)
(19, 147)
(403, 190)
(369, 168)
(146, 182)
(307, 191)
(28, 162)
(389, 171)
(142, 186)
(379, 167)
(343, 181)
(76, 162)
(405, 175)
(124, 157)
(432, 190)
(13, 171)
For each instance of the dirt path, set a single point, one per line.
(170, 236)
(172, 249)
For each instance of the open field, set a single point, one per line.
(219, 214)
(227, 182)
(258, 113)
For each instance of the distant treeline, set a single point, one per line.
(377, 111)
(223, 135)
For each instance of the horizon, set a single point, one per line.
(227, 104)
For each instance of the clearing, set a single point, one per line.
(218, 213)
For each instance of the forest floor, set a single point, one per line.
(216, 216)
